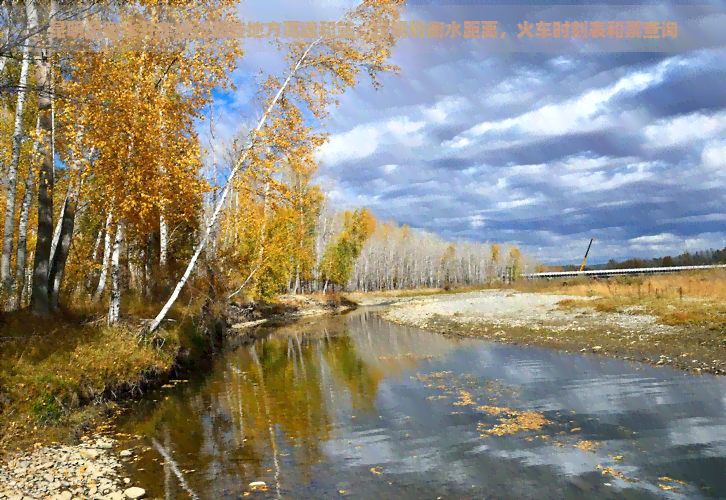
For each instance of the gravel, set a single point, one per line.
(506, 308)
(87, 471)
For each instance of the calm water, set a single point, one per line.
(356, 407)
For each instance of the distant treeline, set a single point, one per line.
(702, 258)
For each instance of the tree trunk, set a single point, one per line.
(6, 276)
(57, 231)
(27, 288)
(215, 236)
(68, 220)
(20, 260)
(163, 227)
(263, 227)
(114, 308)
(97, 245)
(39, 302)
(163, 242)
(106, 259)
(143, 274)
(94, 257)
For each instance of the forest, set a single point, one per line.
(110, 197)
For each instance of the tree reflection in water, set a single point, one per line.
(270, 407)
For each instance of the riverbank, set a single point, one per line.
(91, 469)
(60, 378)
(571, 324)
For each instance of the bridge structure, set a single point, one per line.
(598, 273)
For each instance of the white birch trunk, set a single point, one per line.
(106, 259)
(22, 250)
(6, 276)
(114, 307)
(163, 227)
(163, 242)
(57, 230)
(97, 245)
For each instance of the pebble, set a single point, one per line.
(135, 493)
(60, 472)
(90, 454)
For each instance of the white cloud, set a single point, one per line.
(360, 142)
(577, 114)
(439, 112)
(365, 139)
(682, 130)
(654, 239)
(714, 155)
(562, 62)
(477, 221)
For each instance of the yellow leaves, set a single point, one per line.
(465, 399)
(587, 445)
(139, 131)
(493, 410)
(609, 471)
(495, 250)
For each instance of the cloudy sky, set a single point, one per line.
(541, 145)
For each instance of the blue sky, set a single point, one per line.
(541, 149)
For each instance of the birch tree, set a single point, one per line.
(12, 173)
(318, 71)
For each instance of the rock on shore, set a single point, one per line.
(90, 470)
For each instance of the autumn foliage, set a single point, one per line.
(110, 197)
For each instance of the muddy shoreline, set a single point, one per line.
(534, 319)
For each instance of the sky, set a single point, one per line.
(543, 146)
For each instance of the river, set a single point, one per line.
(357, 407)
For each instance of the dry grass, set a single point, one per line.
(50, 369)
(697, 298)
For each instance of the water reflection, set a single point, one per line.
(362, 408)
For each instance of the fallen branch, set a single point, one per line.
(246, 281)
(248, 324)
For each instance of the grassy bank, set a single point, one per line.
(696, 299)
(59, 376)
